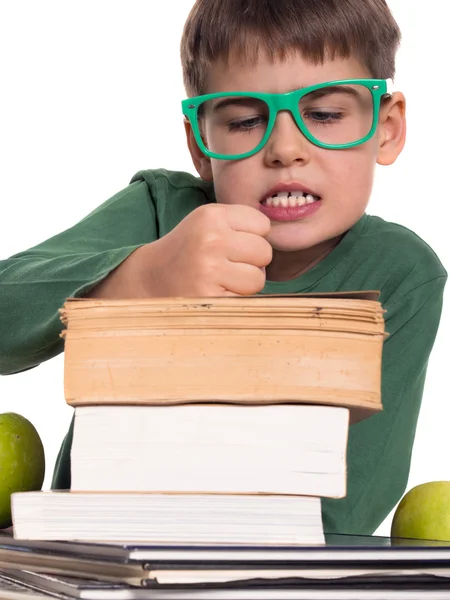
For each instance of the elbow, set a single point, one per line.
(8, 367)
(17, 360)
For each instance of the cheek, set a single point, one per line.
(351, 172)
(232, 181)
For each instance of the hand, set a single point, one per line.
(217, 250)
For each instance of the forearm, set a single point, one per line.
(32, 290)
(34, 284)
(131, 279)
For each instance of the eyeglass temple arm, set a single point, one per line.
(390, 89)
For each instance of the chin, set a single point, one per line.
(284, 246)
(293, 242)
(295, 237)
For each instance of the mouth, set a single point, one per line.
(290, 199)
(290, 202)
(289, 196)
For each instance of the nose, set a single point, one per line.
(287, 145)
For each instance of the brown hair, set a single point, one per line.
(319, 29)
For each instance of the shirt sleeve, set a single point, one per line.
(380, 447)
(35, 283)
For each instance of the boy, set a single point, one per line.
(288, 114)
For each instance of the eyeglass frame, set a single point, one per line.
(379, 88)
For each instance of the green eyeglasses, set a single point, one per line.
(334, 115)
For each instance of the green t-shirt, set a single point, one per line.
(373, 255)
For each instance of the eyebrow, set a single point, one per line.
(235, 100)
(249, 100)
(334, 89)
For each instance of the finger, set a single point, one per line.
(249, 248)
(229, 294)
(247, 219)
(243, 279)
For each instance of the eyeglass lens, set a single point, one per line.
(340, 114)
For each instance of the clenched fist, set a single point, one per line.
(217, 250)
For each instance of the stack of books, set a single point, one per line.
(347, 567)
(209, 421)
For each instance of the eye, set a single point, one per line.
(247, 124)
(323, 116)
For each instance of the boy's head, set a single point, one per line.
(262, 46)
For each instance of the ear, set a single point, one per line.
(201, 162)
(392, 129)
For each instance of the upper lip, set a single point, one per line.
(294, 186)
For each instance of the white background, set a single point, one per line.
(90, 93)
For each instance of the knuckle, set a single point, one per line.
(210, 241)
(263, 252)
(257, 280)
(210, 212)
(261, 279)
(208, 270)
(265, 224)
(209, 221)
(266, 252)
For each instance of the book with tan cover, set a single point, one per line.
(304, 348)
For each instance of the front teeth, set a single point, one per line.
(290, 199)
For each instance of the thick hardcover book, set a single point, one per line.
(311, 349)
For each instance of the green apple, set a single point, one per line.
(424, 513)
(22, 461)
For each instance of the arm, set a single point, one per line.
(380, 448)
(34, 284)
